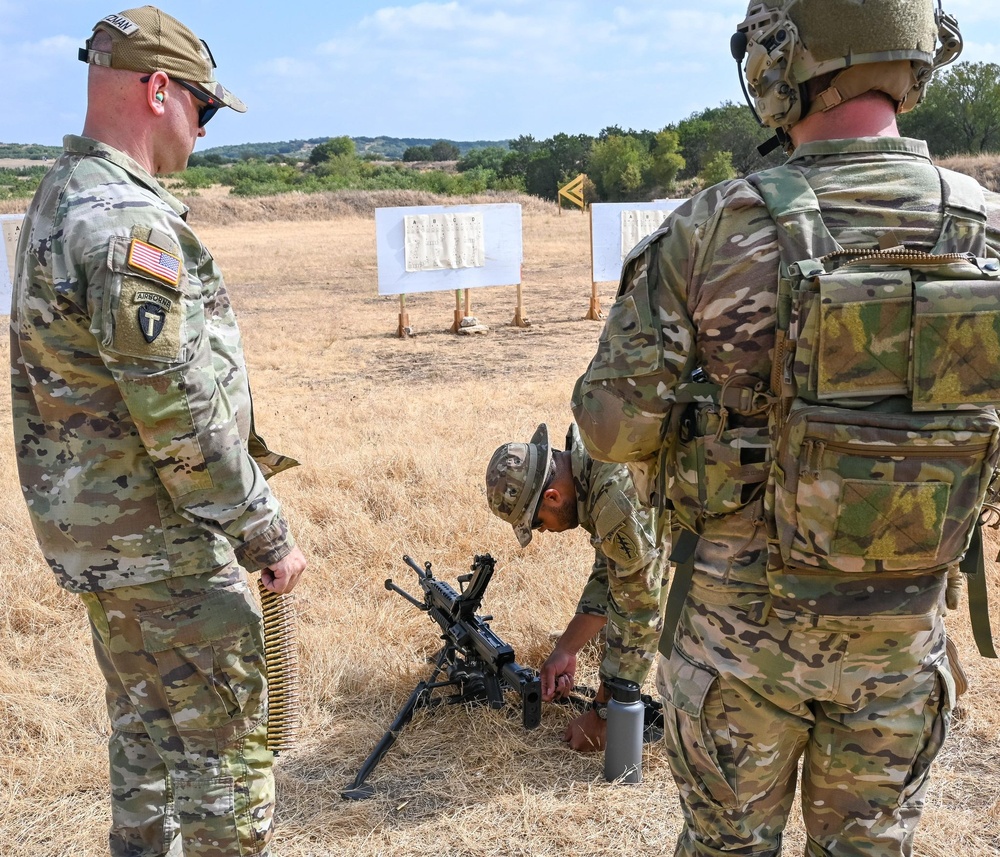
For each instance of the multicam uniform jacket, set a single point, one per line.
(131, 406)
(848, 673)
(716, 263)
(626, 582)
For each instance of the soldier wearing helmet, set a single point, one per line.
(807, 56)
(766, 666)
(533, 487)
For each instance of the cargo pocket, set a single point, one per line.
(697, 731)
(717, 469)
(209, 659)
(205, 801)
(629, 338)
(869, 492)
(937, 717)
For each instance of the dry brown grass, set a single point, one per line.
(394, 436)
(984, 168)
(217, 207)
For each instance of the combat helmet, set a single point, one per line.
(515, 481)
(892, 46)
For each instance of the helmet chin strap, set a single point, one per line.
(738, 48)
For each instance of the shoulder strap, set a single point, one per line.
(792, 205)
(963, 222)
(802, 235)
(682, 557)
(794, 208)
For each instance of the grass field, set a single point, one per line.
(394, 436)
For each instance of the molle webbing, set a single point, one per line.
(803, 242)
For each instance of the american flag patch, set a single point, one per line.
(154, 261)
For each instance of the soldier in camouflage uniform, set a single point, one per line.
(846, 674)
(533, 487)
(133, 426)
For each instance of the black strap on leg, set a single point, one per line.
(974, 567)
(682, 558)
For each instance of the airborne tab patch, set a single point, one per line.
(151, 260)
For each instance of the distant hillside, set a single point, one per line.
(29, 151)
(393, 147)
(390, 148)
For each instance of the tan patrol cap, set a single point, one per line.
(514, 481)
(147, 39)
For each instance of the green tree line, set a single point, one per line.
(710, 146)
(960, 115)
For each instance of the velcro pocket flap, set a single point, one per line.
(864, 491)
(956, 345)
(629, 339)
(864, 334)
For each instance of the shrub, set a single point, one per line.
(718, 168)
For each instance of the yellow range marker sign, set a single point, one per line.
(573, 191)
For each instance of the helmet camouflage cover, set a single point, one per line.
(515, 477)
(885, 45)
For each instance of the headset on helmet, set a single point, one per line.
(884, 45)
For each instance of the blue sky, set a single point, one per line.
(452, 69)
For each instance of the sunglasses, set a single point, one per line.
(208, 106)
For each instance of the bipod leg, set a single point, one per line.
(358, 788)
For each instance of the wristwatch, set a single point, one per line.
(600, 709)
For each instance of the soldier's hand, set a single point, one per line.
(557, 674)
(586, 733)
(282, 575)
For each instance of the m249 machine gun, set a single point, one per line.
(474, 661)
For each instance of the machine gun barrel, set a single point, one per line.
(478, 663)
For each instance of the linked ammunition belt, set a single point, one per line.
(281, 658)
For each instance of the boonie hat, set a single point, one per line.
(515, 477)
(147, 39)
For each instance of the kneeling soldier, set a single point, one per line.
(533, 487)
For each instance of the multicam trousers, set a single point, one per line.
(866, 711)
(186, 694)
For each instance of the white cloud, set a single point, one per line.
(55, 46)
(456, 25)
(493, 68)
(289, 67)
(44, 59)
(446, 68)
